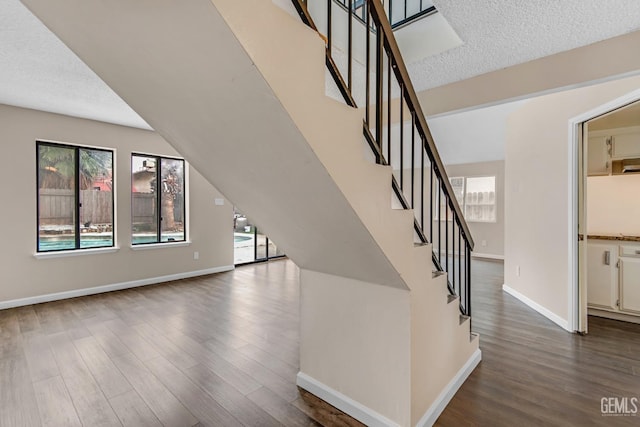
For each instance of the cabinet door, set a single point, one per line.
(602, 280)
(625, 146)
(630, 284)
(598, 156)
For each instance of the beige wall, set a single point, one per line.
(537, 193)
(24, 276)
(355, 338)
(613, 205)
(491, 233)
(577, 67)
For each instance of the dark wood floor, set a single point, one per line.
(535, 374)
(223, 350)
(215, 351)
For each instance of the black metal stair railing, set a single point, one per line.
(400, 12)
(366, 65)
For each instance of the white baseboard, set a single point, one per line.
(373, 419)
(432, 414)
(109, 288)
(487, 256)
(563, 323)
(614, 315)
(347, 405)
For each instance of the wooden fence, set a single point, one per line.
(57, 207)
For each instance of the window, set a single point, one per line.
(75, 197)
(457, 184)
(480, 199)
(157, 199)
(476, 197)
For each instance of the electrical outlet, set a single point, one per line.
(484, 243)
(518, 271)
(196, 255)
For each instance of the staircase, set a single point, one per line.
(238, 88)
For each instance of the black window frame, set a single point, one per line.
(158, 159)
(76, 189)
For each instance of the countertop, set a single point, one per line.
(618, 237)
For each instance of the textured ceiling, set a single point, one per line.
(500, 33)
(38, 71)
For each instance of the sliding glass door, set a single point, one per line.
(249, 244)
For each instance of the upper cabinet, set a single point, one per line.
(607, 148)
(599, 162)
(625, 145)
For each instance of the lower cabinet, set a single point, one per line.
(630, 284)
(613, 277)
(602, 275)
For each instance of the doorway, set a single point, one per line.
(606, 232)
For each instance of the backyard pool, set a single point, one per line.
(61, 243)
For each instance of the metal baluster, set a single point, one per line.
(468, 282)
(413, 157)
(422, 189)
(349, 45)
(329, 3)
(440, 220)
(453, 252)
(402, 137)
(446, 236)
(389, 110)
(379, 74)
(367, 66)
(459, 258)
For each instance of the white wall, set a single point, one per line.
(24, 276)
(491, 233)
(537, 192)
(613, 205)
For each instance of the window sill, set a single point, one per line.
(146, 246)
(75, 252)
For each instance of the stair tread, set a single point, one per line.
(437, 274)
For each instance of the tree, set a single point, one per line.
(57, 166)
(172, 174)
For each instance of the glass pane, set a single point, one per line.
(261, 246)
(56, 197)
(96, 198)
(243, 239)
(144, 213)
(274, 250)
(172, 200)
(480, 199)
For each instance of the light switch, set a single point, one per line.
(219, 202)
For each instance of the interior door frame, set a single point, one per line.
(577, 208)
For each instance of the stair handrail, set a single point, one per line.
(385, 39)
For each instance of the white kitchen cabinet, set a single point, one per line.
(624, 145)
(598, 156)
(602, 275)
(630, 283)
